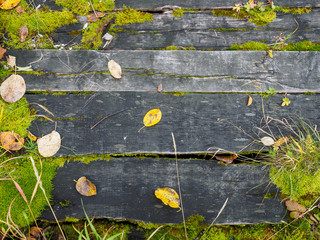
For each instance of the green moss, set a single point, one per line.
(302, 46)
(129, 16)
(296, 166)
(230, 29)
(258, 17)
(179, 48)
(38, 22)
(15, 116)
(83, 7)
(255, 46)
(178, 12)
(72, 219)
(4, 72)
(66, 203)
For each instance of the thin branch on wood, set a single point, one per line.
(109, 115)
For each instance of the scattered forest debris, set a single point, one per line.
(168, 196)
(85, 187)
(11, 61)
(13, 88)
(11, 141)
(49, 144)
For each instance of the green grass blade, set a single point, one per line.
(90, 223)
(114, 236)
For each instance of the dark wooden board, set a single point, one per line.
(186, 71)
(148, 4)
(126, 188)
(198, 121)
(201, 30)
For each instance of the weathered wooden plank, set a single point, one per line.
(199, 121)
(126, 191)
(148, 4)
(185, 71)
(201, 30)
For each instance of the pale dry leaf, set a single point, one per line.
(11, 61)
(294, 206)
(267, 141)
(8, 4)
(11, 141)
(249, 101)
(49, 144)
(23, 33)
(115, 69)
(13, 88)
(2, 51)
(159, 88)
(85, 187)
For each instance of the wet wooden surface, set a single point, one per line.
(176, 71)
(126, 188)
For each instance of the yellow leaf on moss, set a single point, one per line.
(152, 117)
(8, 4)
(168, 196)
(85, 187)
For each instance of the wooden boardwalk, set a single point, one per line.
(203, 102)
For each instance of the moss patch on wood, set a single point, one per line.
(83, 7)
(258, 46)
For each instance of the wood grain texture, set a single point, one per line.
(200, 122)
(201, 30)
(182, 71)
(126, 188)
(148, 4)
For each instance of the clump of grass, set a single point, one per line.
(295, 165)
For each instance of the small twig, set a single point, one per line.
(93, 9)
(109, 115)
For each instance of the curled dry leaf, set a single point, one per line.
(226, 158)
(49, 144)
(2, 52)
(23, 33)
(267, 141)
(8, 4)
(85, 187)
(11, 141)
(294, 206)
(11, 61)
(31, 136)
(249, 101)
(168, 196)
(115, 69)
(13, 88)
(19, 9)
(93, 17)
(281, 141)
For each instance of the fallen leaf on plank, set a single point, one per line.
(85, 187)
(249, 101)
(226, 158)
(49, 144)
(168, 196)
(151, 118)
(115, 69)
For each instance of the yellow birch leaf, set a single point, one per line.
(168, 196)
(270, 53)
(285, 102)
(85, 187)
(152, 117)
(249, 101)
(8, 4)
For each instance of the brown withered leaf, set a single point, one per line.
(35, 231)
(20, 9)
(294, 206)
(93, 17)
(115, 69)
(159, 88)
(11, 141)
(11, 61)
(49, 144)
(13, 88)
(23, 33)
(281, 141)
(2, 51)
(226, 158)
(85, 187)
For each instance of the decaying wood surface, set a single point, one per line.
(126, 186)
